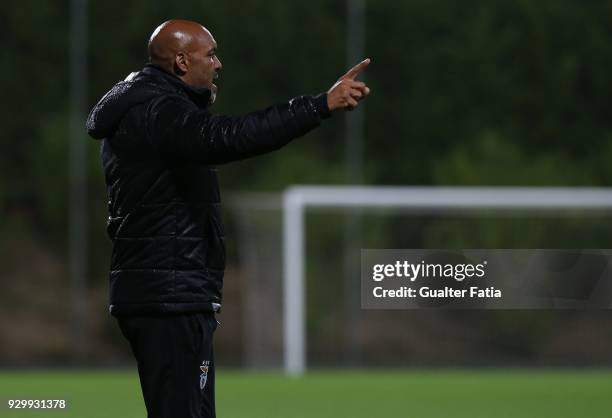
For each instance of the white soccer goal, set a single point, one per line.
(299, 198)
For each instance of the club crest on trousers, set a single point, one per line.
(204, 376)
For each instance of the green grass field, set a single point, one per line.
(418, 394)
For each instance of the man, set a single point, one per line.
(159, 151)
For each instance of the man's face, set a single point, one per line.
(204, 65)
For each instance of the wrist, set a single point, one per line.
(322, 105)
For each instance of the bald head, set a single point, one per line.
(174, 36)
(186, 49)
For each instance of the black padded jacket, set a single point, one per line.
(160, 146)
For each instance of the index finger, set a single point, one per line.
(354, 72)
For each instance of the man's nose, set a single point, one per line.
(218, 65)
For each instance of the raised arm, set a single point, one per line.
(183, 132)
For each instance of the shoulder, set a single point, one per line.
(170, 101)
(172, 114)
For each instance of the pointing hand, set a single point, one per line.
(347, 92)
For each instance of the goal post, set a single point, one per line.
(297, 199)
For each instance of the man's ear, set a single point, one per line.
(181, 63)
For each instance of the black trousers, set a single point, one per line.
(175, 360)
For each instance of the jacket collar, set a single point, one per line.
(200, 96)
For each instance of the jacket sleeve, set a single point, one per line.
(183, 132)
